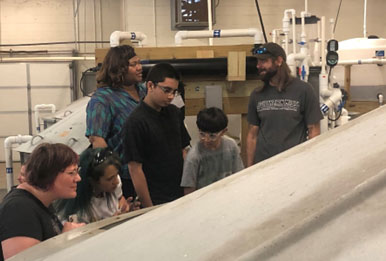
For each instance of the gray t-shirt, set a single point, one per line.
(282, 117)
(203, 167)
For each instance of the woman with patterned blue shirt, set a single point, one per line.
(118, 93)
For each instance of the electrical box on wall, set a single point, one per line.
(191, 14)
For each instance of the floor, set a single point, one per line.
(3, 179)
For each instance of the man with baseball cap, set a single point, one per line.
(282, 114)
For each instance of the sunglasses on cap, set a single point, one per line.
(101, 157)
(261, 50)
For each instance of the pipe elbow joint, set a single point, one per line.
(114, 38)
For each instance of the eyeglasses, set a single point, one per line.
(74, 172)
(210, 136)
(101, 156)
(168, 90)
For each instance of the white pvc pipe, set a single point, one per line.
(286, 27)
(286, 43)
(306, 6)
(291, 61)
(8, 142)
(343, 118)
(210, 27)
(117, 36)
(42, 107)
(304, 58)
(293, 33)
(323, 77)
(332, 101)
(316, 56)
(303, 34)
(253, 32)
(274, 35)
(365, 61)
(364, 20)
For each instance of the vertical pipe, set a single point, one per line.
(210, 20)
(306, 6)
(286, 43)
(364, 20)
(317, 47)
(274, 35)
(293, 33)
(303, 34)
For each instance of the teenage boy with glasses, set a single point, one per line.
(215, 156)
(154, 139)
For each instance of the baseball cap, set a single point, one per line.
(269, 50)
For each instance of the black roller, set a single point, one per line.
(205, 66)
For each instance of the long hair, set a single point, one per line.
(46, 162)
(284, 76)
(93, 163)
(114, 70)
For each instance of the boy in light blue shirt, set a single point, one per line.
(215, 156)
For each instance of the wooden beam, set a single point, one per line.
(178, 52)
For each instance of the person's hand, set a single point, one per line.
(134, 204)
(67, 226)
(123, 206)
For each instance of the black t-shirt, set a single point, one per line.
(156, 139)
(282, 117)
(22, 214)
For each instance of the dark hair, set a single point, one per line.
(211, 120)
(46, 162)
(93, 163)
(114, 70)
(160, 71)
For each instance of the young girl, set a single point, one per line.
(99, 193)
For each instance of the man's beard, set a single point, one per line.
(269, 74)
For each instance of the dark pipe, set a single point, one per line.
(207, 66)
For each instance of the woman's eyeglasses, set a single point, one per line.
(74, 172)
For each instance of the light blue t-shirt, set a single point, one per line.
(203, 167)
